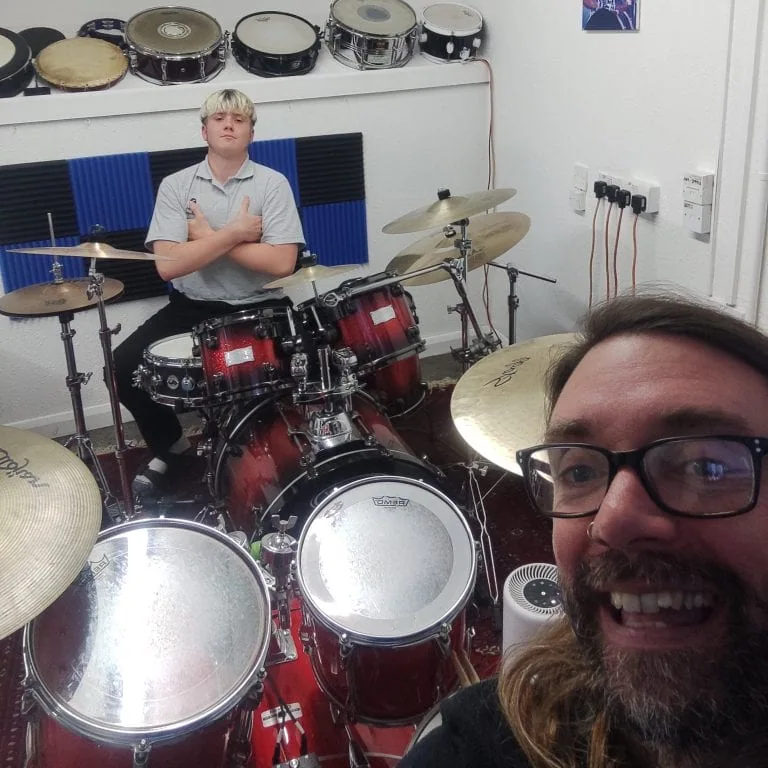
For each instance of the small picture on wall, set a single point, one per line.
(609, 15)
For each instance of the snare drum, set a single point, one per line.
(172, 372)
(16, 71)
(385, 568)
(242, 354)
(450, 32)
(371, 34)
(274, 44)
(175, 45)
(81, 64)
(163, 634)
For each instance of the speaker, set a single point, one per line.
(531, 599)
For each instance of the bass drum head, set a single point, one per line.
(386, 560)
(452, 19)
(276, 33)
(164, 631)
(15, 58)
(380, 18)
(81, 64)
(174, 31)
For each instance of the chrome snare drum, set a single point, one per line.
(450, 32)
(175, 45)
(274, 44)
(172, 372)
(164, 632)
(371, 34)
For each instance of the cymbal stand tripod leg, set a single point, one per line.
(81, 440)
(96, 288)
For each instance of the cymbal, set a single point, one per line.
(50, 513)
(491, 235)
(498, 406)
(46, 299)
(448, 210)
(92, 251)
(311, 274)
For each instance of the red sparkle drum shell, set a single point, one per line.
(385, 567)
(241, 353)
(261, 470)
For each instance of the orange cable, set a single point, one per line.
(607, 254)
(615, 253)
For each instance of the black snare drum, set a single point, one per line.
(371, 34)
(450, 32)
(274, 44)
(175, 45)
(15, 63)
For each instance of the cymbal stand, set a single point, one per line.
(96, 288)
(513, 302)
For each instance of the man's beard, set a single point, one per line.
(690, 702)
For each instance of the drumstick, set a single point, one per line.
(460, 672)
(469, 667)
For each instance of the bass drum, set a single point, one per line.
(16, 69)
(264, 463)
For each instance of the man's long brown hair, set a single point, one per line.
(549, 691)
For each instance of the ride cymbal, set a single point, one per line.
(499, 404)
(491, 235)
(447, 210)
(92, 251)
(46, 299)
(310, 275)
(50, 513)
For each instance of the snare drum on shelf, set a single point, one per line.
(450, 32)
(169, 45)
(16, 71)
(371, 34)
(274, 44)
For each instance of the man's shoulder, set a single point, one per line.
(180, 178)
(265, 174)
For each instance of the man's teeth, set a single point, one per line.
(652, 602)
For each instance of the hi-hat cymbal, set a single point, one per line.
(498, 405)
(46, 299)
(491, 235)
(446, 211)
(92, 251)
(50, 513)
(310, 275)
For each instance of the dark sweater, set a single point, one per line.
(473, 734)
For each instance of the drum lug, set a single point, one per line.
(413, 334)
(260, 332)
(346, 648)
(396, 289)
(141, 754)
(138, 375)
(210, 341)
(444, 640)
(133, 60)
(164, 70)
(218, 381)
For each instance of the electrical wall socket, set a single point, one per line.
(649, 190)
(610, 178)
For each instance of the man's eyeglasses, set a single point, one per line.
(703, 476)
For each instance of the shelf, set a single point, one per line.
(329, 79)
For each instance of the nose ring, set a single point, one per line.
(591, 531)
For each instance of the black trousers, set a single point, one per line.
(159, 425)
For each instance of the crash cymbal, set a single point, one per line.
(498, 405)
(491, 235)
(310, 275)
(447, 210)
(46, 299)
(92, 251)
(50, 513)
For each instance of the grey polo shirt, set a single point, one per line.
(270, 197)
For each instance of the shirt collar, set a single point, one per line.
(245, 171)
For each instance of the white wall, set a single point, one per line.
(648, 104)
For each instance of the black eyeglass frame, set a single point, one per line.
(634, 459)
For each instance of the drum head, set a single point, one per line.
(165, 630)
(275, 33)
(386, 560)
(177, 347)
(452, 19)
(383, 18)
(15, 53)
(41, 37)
(81, 64)
(173, 31)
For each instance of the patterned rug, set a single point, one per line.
(517, 534)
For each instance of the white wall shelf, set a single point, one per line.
(328, 79)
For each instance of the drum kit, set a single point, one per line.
(226, 640)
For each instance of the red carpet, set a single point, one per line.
(517, 533)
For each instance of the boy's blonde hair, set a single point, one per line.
(228, 100)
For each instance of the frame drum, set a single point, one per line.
(16, 70)
(175, 45)
(81, 64)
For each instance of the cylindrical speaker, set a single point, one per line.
(531, 599)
